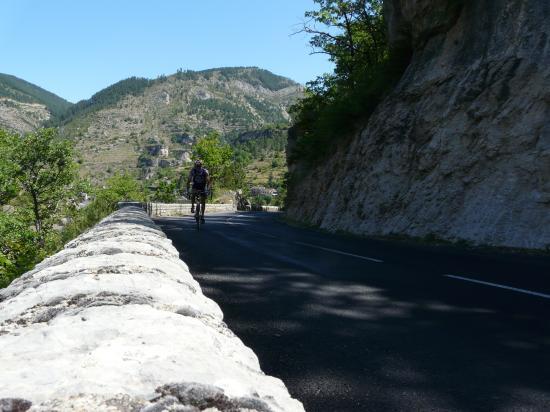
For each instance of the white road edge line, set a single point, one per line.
(496, 285)
(261, 234)
(340, 252)
(253, 231)
(315, 246)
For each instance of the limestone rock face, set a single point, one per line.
(115, 322)
(461, 148)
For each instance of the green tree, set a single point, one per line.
(235, 175)
(37, 188)
(120, 187)
(353, 34)
(220, 160)
(215, 154)
(44, 168)
(18, 247)
(165, 191)
(8, 183)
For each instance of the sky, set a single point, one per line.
(74, 48)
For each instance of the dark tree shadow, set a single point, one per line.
(354, 336)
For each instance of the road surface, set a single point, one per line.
(353, 324)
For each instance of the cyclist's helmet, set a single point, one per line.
(198, 163)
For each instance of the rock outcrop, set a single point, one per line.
(22, 117)
(115, 322)
(460, 150)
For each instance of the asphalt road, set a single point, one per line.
(353, 324)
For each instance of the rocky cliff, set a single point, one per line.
(460, 149)
(115, 322)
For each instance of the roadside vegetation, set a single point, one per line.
(264, 154)
(353, 34)
(44, 203)
(227, 171)
(42, 199)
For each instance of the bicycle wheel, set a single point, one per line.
(198, 216)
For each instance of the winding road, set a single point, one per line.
(353, 324)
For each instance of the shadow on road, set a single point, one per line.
(354, 336)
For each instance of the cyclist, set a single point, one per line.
(200, 178)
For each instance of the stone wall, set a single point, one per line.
(264, 208)
(184, 209)
(115, 322)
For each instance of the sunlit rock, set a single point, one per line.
(115, 322)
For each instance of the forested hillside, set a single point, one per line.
(22, 91)
(25, 106)
(143, 125)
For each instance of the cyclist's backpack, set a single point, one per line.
(199, 176)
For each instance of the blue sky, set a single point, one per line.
(74, 48)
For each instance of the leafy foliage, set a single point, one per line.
(219, 158)
(18, 247)
(44, 169)
(261, 142)
(37, 186)
(353, 34)
(165, 191)
(38, 190)
(120, 187)
(8, 184)
(263, 154)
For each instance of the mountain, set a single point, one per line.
(150, 124)
(25, 106)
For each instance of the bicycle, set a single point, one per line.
(200, 195)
